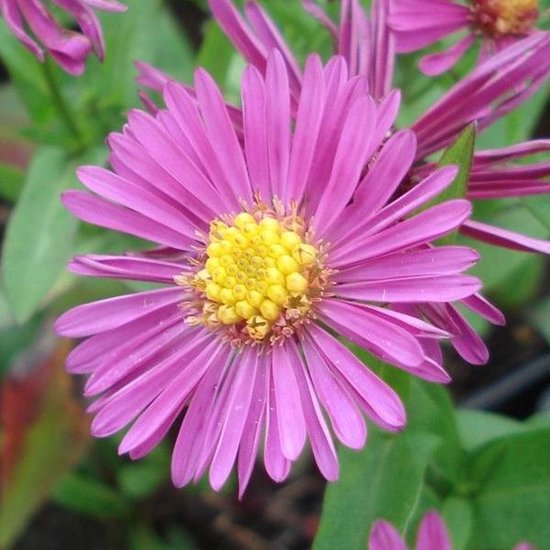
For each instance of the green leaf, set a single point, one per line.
(512, 504)
(91, 497)
(383, 481)
(216, 52)
(458, 516)
(460, 153)
(431, 410)
(40, 233)
(140, 479)
(477, 428)
(11, 182)
(26, 74)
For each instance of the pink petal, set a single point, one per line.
(381, 403)
(432, 533)
(384, 536)
(290, 416)
(104, 315)
(380, 336)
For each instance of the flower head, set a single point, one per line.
(69, 48)
(276, 231)
(496, 23)
(432, 535)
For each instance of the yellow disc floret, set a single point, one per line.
(255, 269)
(505, 17)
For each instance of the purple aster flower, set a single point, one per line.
(496, 23)
(491, 91)
(69, 48)
(432, 535)
(273, 238)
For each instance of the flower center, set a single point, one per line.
(502, 17)
(259, 276)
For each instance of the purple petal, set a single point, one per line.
(97, 211)
(308, 123)
(125, 267)
(239, 402)
(432, 533)
(444, 288)
(254, 426)
(276, 465)
(319, 434)
(345, 416)
(255, 135)
(278, 122)
(504, 237)
(380, 336)
(381, 403)
(111, 313)
(438, 63)
(290, 416)
(384, 536)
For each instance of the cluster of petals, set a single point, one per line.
(495, 88)
(495, 23)
(37, 29)
(432, 535)
(179, 168)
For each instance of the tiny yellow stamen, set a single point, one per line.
(287, 264)
(296, 283)
(227, 315)
(305, 254)
(270, 310)
(258, 327)
(277, 293)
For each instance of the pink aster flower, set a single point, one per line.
(38, 30)
(271, 241)
(496, 23)
(432, 535)
(491, 91)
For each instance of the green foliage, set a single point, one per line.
(40, 234)
(373, 485)
(512, 504)
(91, 497)
(461, 154)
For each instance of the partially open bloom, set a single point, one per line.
(496, 23)
(37, 29)
(276, 231)
(432, 535)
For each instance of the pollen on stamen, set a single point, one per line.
(258, 278)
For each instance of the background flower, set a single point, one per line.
(496, 23)
(69, 48)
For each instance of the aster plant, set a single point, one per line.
(283, 273)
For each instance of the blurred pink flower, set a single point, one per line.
(496, 23)
(69, 48)
(272, 239)
(432, 535)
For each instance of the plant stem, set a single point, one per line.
(60, 104)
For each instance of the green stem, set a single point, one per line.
(60, 104)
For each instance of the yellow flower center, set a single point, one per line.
(502, 17)
(259, 272)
